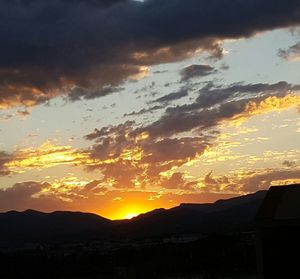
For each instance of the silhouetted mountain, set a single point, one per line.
(34, 226)
(235, 214)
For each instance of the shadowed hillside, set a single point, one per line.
(236, 214)
(34, 226)
(223, 216)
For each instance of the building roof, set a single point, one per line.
(281, 206)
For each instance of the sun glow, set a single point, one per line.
(130, 215)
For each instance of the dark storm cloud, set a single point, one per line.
(76, 48)
(194, 71)
(292, 53)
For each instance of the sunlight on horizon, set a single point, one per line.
(129, 216)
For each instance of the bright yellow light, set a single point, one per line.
(46, 156)
(126, 207)
(270, 104)
(144, 71)
(130, 215)
(142, 136)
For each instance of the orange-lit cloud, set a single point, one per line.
(243, 182)
(92, 197)
(71, 193)
(46, 156)
(133, 158)
(272, 103)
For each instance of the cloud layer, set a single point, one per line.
(86, 49)
(130, 155)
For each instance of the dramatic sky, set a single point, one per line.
(118, 107)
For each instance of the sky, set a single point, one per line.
(119, 107)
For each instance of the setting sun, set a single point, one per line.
(140, 138)
(130, 215)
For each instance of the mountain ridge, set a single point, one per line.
(235, 214)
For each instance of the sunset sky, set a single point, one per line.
(118, 107)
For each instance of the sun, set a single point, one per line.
(130, 215)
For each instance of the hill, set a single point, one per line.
(33, 226)
(236, 214)
(223, 216)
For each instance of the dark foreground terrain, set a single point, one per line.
(190, 241)
(217, 256)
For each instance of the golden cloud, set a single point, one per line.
(270, 104)
(46, 156)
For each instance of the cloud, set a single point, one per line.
(86, 49)
(20, 196)
(291, 54)
(4, 159)
(211, 94)
(93, 187)
(218, 184)
(174, 149)
(249, 182)
(78, 93)
(165, 100)
(289, 164)
(113, 204)
(270, 177)
(62, 195)
(233, 103)
(137, 157)
(179, 121)
(129, 162)
(23, 113)
(144, 111)
(194, 71)
(177, 181)
(130, 155)
(110, 130)
(70, 193)
(46, 156)
(209, 180)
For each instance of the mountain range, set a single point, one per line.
(223, 216)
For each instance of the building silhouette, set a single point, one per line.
(278, 233)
